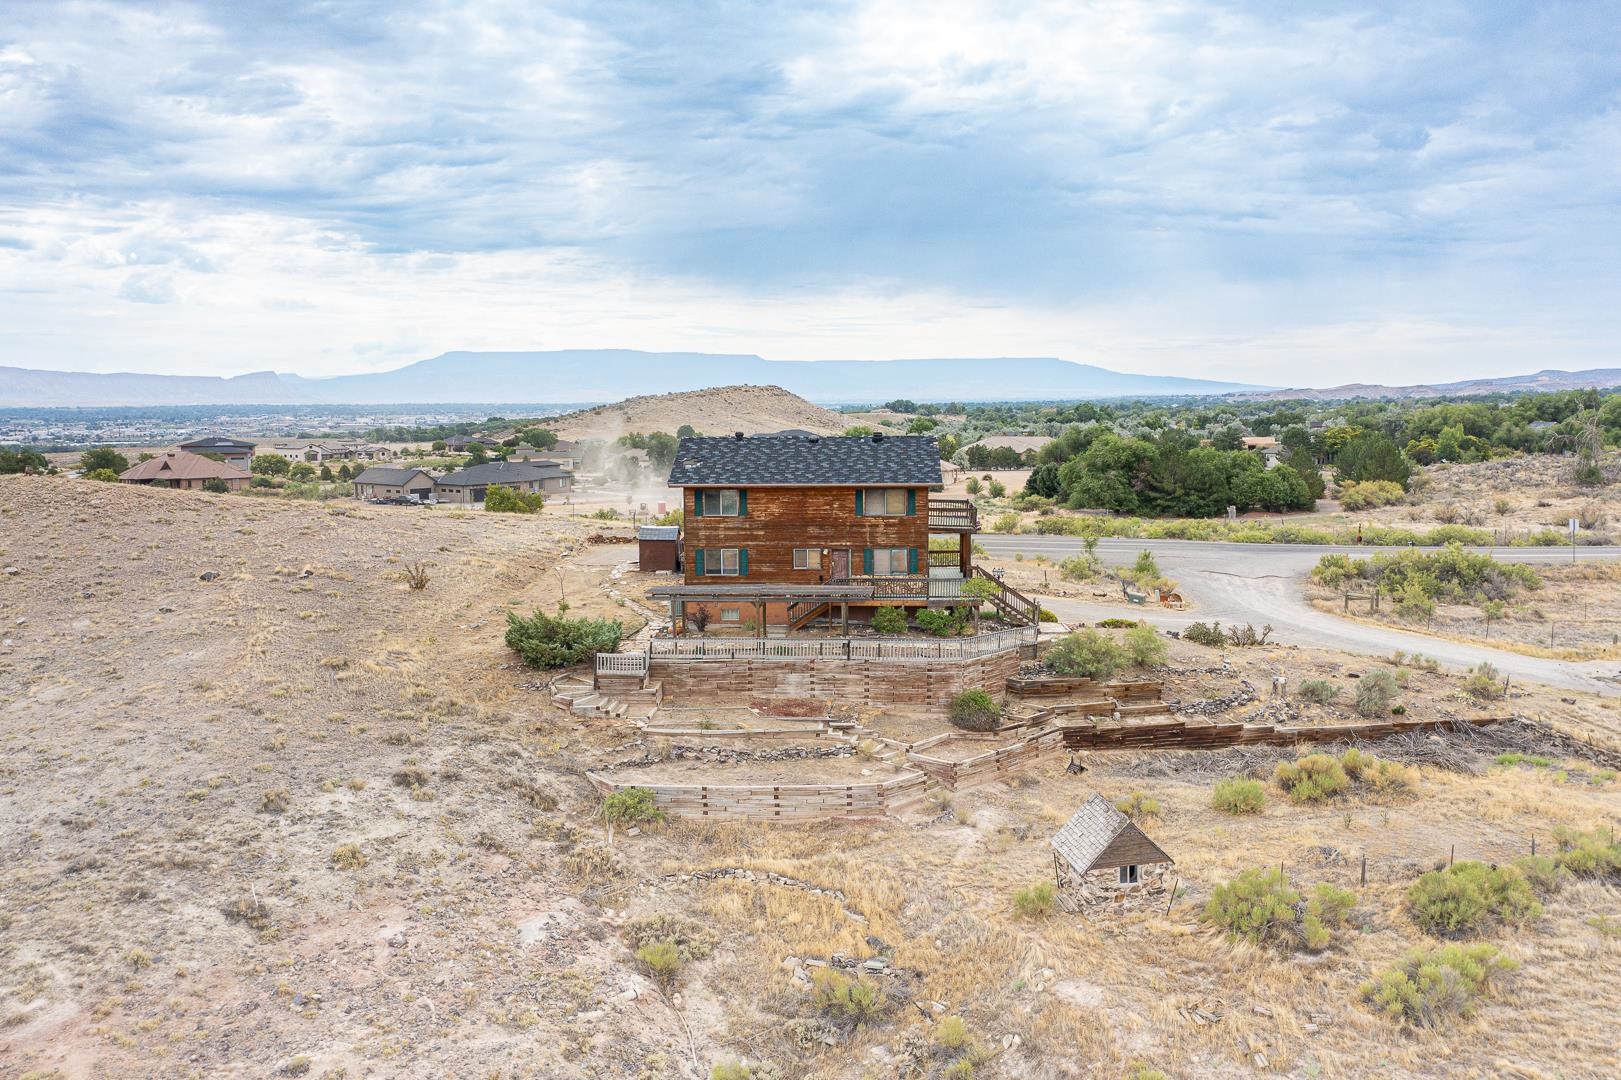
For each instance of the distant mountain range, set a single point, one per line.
(593, 375)
(596, 375)
(1545, 380)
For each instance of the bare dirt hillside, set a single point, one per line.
(719, 410)
(266, 811)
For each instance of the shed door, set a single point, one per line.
(839, 563)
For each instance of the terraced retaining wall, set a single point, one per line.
(923, 684)
(778, 802)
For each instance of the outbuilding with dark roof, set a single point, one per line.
(1100, 854)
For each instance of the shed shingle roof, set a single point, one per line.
(658, 532)
(794, 461)
(1096, 825)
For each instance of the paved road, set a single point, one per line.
(1262, 583)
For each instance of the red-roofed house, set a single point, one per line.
(178, 469)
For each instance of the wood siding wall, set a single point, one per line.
(782, 519)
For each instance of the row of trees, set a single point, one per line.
(1172, 476)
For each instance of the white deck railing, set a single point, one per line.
(873, 648)
(621, 663)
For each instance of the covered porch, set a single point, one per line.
(768, 599)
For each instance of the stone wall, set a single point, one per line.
(919, 684)
(1100, 890)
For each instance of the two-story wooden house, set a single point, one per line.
(785, 530)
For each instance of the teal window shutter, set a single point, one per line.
(859, 506)
(698, 509)
(911, 502)
(866, 554)
(911, 560)
(742, 562)
(742, 502)
(698, 562)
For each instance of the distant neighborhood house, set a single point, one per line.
(319, 452)
(379, 482)
(470, 486)
(237, 452)
(182, 469)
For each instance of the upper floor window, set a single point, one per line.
(720, 502)
(807, 558)
(885, 502)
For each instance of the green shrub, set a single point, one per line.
(889, 620)
(1467, 897)
(1137, 805)
(500, 499)
(1587, 854)
(1325, 914)
(1116, 623)
(1047, 615)
(975, 710)
(1374, 693)
(1261, 907)
(731, 1071)
(1210, 636)
(217, 486)
(1432, 985)
(1370, 494)
(1311, 778)
(552, 641)
(1079, 568)
(1413, 604)
(662, 960)
(938, 622)
(1484, 683)
(1543, 873)
(1239, 795)
(106, 476)
(853, 1001)
(1036, 902)
(631, 806)
(1086, 653)
(1144, 646)
(951, 1032)
(1257, 906)
(1318, 691)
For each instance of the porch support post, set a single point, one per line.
(844, 618)
(759, 618)
(965, 553)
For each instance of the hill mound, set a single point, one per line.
(720, 410)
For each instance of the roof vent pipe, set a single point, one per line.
(737, 435)
(878, 436)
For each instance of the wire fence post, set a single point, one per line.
(1172, 900)
(1452, 854)
(1364, 871)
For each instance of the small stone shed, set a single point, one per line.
(658, 547)
(1101, 856)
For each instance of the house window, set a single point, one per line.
(884, 502)
(1129, 875)
(807, 558)
(889, 561)
(731, 614)
(720, 502)
(720, 561)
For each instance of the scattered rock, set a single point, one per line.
(206, 575)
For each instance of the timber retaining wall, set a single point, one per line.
(926, 684)
(779, 802)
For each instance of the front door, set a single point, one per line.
(839, 563)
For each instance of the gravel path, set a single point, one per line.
(1263, 583)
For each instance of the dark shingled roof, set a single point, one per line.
(792, 461)
(496, 472)
(389, 477)
(209, 442)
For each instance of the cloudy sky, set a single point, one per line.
(1285, 192)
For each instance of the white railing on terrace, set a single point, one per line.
(837, 648)
(621, 663)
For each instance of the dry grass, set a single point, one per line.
(375, 933)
